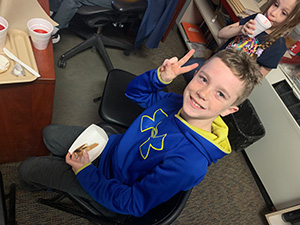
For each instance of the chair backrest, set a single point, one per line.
(115, 108)
(121, 12)
(129, 5)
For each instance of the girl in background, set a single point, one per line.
(269, 46)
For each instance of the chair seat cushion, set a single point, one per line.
(115, 107)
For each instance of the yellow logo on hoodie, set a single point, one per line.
(153, 142)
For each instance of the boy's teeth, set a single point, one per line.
(196, 104)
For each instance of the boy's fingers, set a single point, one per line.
(85, 153)
(188, 68)
(173, 60)
(68, 156)
(86, 156)
(185, 58)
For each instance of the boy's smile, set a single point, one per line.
(210, 93)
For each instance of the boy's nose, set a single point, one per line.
(204, 93)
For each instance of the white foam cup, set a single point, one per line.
(40, 31)
(3, 32)
(262, 24)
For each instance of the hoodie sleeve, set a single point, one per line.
(165, 180)
(145, 89)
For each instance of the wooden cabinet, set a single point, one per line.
(26, 108)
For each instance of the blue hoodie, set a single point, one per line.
(159, 155)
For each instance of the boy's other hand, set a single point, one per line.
(173, 67)
(77, 162)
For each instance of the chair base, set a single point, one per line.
(163, 214)
(57, 203)
(99, 41)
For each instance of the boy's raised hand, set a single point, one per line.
(173, 67)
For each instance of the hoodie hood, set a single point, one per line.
(214, 145)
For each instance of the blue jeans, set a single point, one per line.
(66, 9)
(38, 173)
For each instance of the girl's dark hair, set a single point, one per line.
(285, 27)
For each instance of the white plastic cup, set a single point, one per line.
(3, 32)
(262, 24)
(40, 31)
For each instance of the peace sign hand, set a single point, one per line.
(173, 67)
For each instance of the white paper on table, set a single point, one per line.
(92, 134)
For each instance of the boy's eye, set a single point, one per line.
(203, 79)
(276, 4)
(284, 13)
(221, 94)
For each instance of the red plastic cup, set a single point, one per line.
(295, 49)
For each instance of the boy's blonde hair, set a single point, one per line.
(285, 27)
(244, 67)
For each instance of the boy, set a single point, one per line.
(166, 149)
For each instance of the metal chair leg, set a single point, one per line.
(7, 217)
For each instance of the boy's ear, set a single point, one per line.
(230, 110)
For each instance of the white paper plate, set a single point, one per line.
(92, 134)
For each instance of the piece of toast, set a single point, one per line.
(79, 151)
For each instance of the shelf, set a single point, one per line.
(197, 11)
(208, 14)
(189, 14)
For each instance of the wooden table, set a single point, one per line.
(26, 108)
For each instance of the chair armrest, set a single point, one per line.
(129, 5)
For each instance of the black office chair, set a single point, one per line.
(115, 108)
(118, 112)
(163, 214)
(7, 216)
(89, 21)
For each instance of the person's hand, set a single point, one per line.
(77, 162)
(249, 27)
(173, 67)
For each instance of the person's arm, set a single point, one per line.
(145, 88)
(264, 70)
(237, 29)
(164, 181)
(230, 31)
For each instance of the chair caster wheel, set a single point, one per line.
(127, 52)
(61, 63)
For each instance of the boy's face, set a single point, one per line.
(210, 93)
